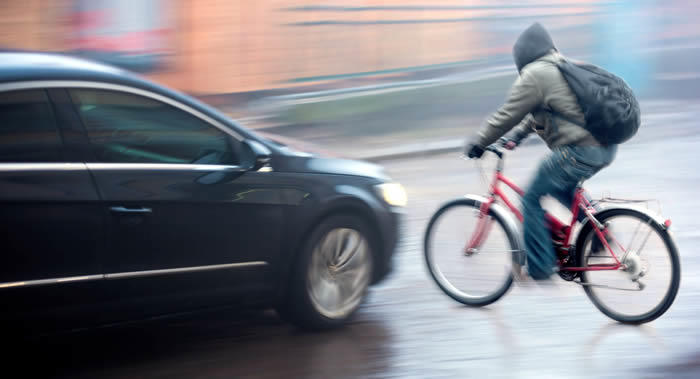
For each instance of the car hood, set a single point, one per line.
(292, 146)
(301, 156)
(299, 162)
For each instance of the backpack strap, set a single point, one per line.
(560, 115)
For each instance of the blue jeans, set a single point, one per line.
(558, 175)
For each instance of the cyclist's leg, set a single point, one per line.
(557, 176)
(565, 196)
(590, 160)
(594, 159)
(548, 180)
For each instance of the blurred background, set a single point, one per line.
(378, 70)
(391, 80)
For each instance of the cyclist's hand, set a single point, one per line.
(473, 150)
(507, 143)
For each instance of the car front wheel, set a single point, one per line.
(332, 274)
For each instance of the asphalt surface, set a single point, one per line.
(408, 328)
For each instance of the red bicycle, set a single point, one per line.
(623, 256)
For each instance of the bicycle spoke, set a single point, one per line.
(648, 223)
(639, 225)
(639, 251)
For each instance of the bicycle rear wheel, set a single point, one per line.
(649, 256)
(478, 277)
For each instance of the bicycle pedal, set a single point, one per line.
(569, 276)
(559, 245)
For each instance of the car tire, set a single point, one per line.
(332, 273)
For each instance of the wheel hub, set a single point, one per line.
(633, 265)
(340, 272)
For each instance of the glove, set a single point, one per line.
(473, 150)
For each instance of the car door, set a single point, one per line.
(50, 216)
(179, 222)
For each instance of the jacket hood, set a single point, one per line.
(532, 44)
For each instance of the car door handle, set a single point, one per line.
(130, 210)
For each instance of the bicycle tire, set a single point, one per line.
(500, 217)
(587, 233)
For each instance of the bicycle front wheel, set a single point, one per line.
(477, 276)
(647, 283)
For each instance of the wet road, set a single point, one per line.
(408, 328)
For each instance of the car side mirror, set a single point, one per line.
(254, 155)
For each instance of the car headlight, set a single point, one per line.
(393, 193)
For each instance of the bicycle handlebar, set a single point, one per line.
(494, 148)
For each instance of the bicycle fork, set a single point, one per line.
(482, 229)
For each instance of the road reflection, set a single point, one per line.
(596, 359)
(220, 343)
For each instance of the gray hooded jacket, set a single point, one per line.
(539, 90)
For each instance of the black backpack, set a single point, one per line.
(608, 103)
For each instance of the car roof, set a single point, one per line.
(32, 66)
(29, 66)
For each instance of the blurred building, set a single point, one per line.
(215, 46)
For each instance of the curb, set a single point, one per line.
(425, 149)
(413, 150)
(384, 88)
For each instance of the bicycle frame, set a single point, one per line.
(580, 203)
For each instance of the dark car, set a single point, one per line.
(120, 198)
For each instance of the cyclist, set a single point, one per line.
(540, 100)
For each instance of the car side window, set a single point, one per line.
(128, 128)
(28, 130)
